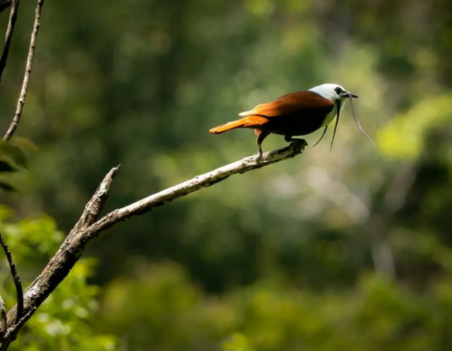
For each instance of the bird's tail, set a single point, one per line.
(248, 122)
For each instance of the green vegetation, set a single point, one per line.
(343, 250)
(65, 320)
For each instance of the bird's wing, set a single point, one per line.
(300, 103)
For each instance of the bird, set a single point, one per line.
(295, 114)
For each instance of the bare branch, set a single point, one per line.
(95, 205)
(12, 332)
(16, 278)
(3, 316)
(55, 271)
(8, 335)
(85, 230)
(28, 67)
(9, 35)
(197, 183)
(4, 4)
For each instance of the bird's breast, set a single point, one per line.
(332, 114)
(329, 117)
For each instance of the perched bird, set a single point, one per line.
(294, 114)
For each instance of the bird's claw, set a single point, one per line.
(298, 144)
(259, 157)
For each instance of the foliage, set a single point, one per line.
(403, 138)
(64, 322)
(12, 158)
(167, 312)
(341, 249)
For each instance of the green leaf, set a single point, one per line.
(14, 153)
(6, 167)
(24, 143)
(7, 187)
(238, 342)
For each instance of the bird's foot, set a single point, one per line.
(298, 144)
(259, 157)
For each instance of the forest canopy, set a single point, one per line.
(332, 250)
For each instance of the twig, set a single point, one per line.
(4, 4)
(11, 130)
(65, 258)
(95, 205)
(28, 67)
(3, 316)
(16, 278)
(12, 332)
(9, 35)
(84, 231)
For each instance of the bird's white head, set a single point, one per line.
(333, 92)
(337, 95)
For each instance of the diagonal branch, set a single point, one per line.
(86, 229)
(9, 34)
(95, 205)
(28, 67)
(16, 278)
(201, 181)
(88, 217)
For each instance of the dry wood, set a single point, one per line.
(16, 278)
(10, 328)
(28, 67)
(87, 228)
(4, 316)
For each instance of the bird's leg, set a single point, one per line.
(260, 136)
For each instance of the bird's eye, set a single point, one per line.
(338, 90)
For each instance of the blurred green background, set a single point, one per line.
(343, 250)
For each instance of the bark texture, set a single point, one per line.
(89, 226)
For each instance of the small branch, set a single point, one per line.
(197, 183)
(28, 67)
(4, 4)
(3, 316)
(65, 258)
(86, 229)
(16, 278)
(95, 205)
(9, 35)
(12, 332)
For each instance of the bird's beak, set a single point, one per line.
(349, 94)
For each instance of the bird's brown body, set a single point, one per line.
(293, 114)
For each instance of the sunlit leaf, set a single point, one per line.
(403, 137)
(238, 342)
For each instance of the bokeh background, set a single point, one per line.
(343, 250)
